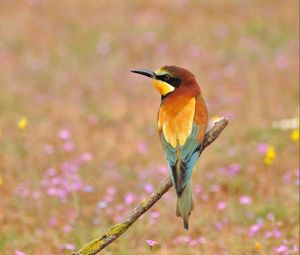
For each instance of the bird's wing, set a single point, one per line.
(182, 159)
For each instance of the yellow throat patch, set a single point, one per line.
(163, 87)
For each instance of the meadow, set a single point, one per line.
(78, 135)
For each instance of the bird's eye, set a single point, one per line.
(167, 77)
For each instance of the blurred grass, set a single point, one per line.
(65, 65)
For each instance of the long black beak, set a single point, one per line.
(145, 72)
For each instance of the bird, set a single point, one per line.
(181, 122)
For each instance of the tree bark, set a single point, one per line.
(99, 243)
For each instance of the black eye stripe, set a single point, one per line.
(175, 82)
(167, 77)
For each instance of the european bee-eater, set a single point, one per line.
(182, 122)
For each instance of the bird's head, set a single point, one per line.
(168, 78)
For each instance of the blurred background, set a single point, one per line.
(78, 140)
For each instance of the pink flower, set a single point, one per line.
(281, 62)
(233, 169)
(295, 248)
(67, 246)
(255, 228)
(182, 239)
(53, 221)
(110, 194)
(64, 134)
(111, 190)
(119, 208)
(215, 188)
(201, 240)
(280, 249)
(68, 146)
(86, 156)
(23, 190)
(204, 197)
(198, 188)
(154, 215)
(221, 205)
(151, 242)
(142, 148)
(67, 228)
(268, 234)
(262, 148)
(162, 169)
(51, 171)
(193, 242)
(210, 175)
(148, 188)
(219, 225)
(277, 233)
(109, 198)
(93, 119)
(61, 182)
(17, 252)
(48, 149)
(129, 198)
(245, 200)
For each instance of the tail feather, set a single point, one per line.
(185, 204)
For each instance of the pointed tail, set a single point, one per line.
(185, 204)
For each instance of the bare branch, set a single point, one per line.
(114, 232)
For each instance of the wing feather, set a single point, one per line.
(181, 160)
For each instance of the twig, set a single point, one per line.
(114, 232)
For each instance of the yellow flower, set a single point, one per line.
(270, 155)
(257, 246)
(22, 124)
(1, 180)
(295, 135)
